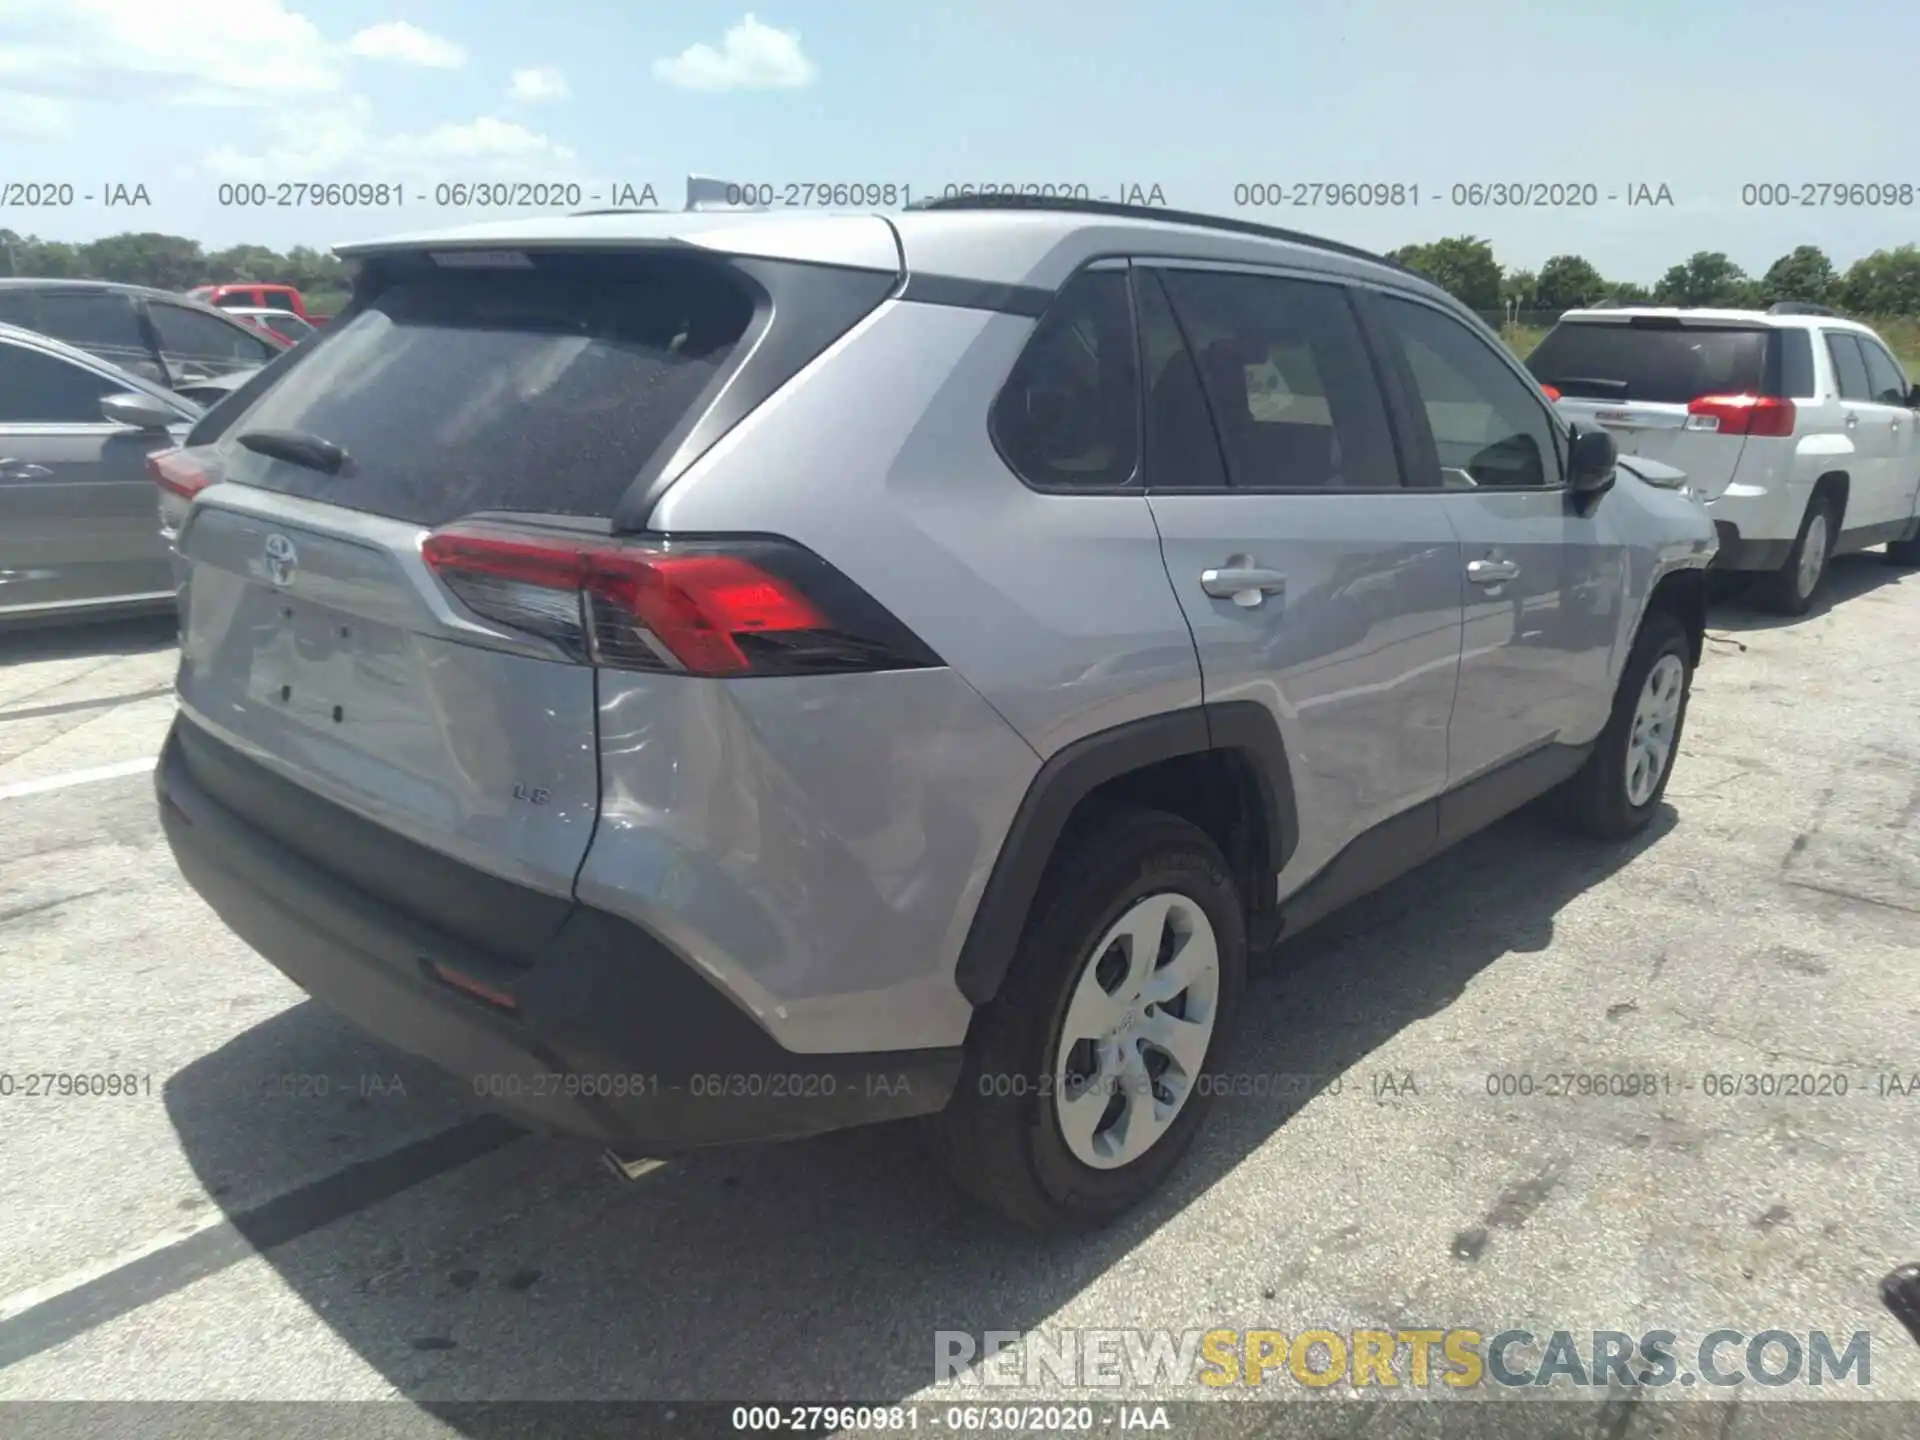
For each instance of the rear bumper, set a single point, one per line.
(1738, 552)
(608, 1036)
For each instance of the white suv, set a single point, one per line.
(1796, 426)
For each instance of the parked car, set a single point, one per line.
(704, 678)
(1796, 424)
(281, 324)
(161, 337)
(81, 532)
(248, 295)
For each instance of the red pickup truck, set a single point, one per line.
(245, 294)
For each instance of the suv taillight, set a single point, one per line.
(173, 472)
(1741, 415)
(747, 606)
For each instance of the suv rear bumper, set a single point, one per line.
(608, 1035)
(1740, 553)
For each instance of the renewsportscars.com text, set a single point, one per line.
(1456, 1359)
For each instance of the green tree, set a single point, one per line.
(1886, 282)
(1708, 278)
(168, 262)
(1569, 281)
(244, 262)
(1462, 266)
(1627, 292)
(308, 269)
(1803, 273)
(1518, 288)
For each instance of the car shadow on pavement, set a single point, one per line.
(1848, 578)
(808, 1271)
(83, 639)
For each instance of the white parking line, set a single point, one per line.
(77, 777)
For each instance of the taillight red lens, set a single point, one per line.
(1552, 393)
(706, 608)
(173, 472)
(1766, 415)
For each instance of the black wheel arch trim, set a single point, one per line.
(1074, 772)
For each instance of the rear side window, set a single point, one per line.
(238, 299)
(1662, 365)
(1796, 364)
(1069, 414)
(1883, 374)
(1849, 369)
(1288, 381)
(542, 391)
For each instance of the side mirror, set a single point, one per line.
(1913, 398)
(142, 412)
(1591, 458)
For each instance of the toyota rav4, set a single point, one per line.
(719, 677)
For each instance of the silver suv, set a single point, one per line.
(720, 677)
(1796, 426)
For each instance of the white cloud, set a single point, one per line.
(545, 82)
(407, 44)
(195, 52)
(58, 56)
(343, 139)
(751, 56)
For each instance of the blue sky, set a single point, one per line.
(1195, 98)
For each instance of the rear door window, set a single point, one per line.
(1661, 365)
(1287, 379)
(1849, 368)
(542, 391)
(100, 321)
(1069, 414)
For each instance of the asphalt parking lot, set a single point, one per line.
(281, 1210)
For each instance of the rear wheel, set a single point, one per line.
(1616, 792)
(1790, 589)
(1087, 1076)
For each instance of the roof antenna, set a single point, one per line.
(706, 193)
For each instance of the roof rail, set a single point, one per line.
(1801, 307)
(1166, 216)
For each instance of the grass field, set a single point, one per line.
(1901, 332)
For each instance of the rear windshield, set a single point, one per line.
(1612, 361)
(542, 391)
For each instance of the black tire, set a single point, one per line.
(1000, 1138)
(1904, 552)
(1595, 800)
(1779, 590)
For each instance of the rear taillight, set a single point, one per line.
(1741, 415)
(173, 472)
(700, 607)
(1551, 392)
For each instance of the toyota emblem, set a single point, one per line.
(281, 559)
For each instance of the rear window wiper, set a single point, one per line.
(297, 447)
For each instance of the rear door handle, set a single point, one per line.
(1492, 572)
(1852, 420)
(23, 470)
(1242, 581)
